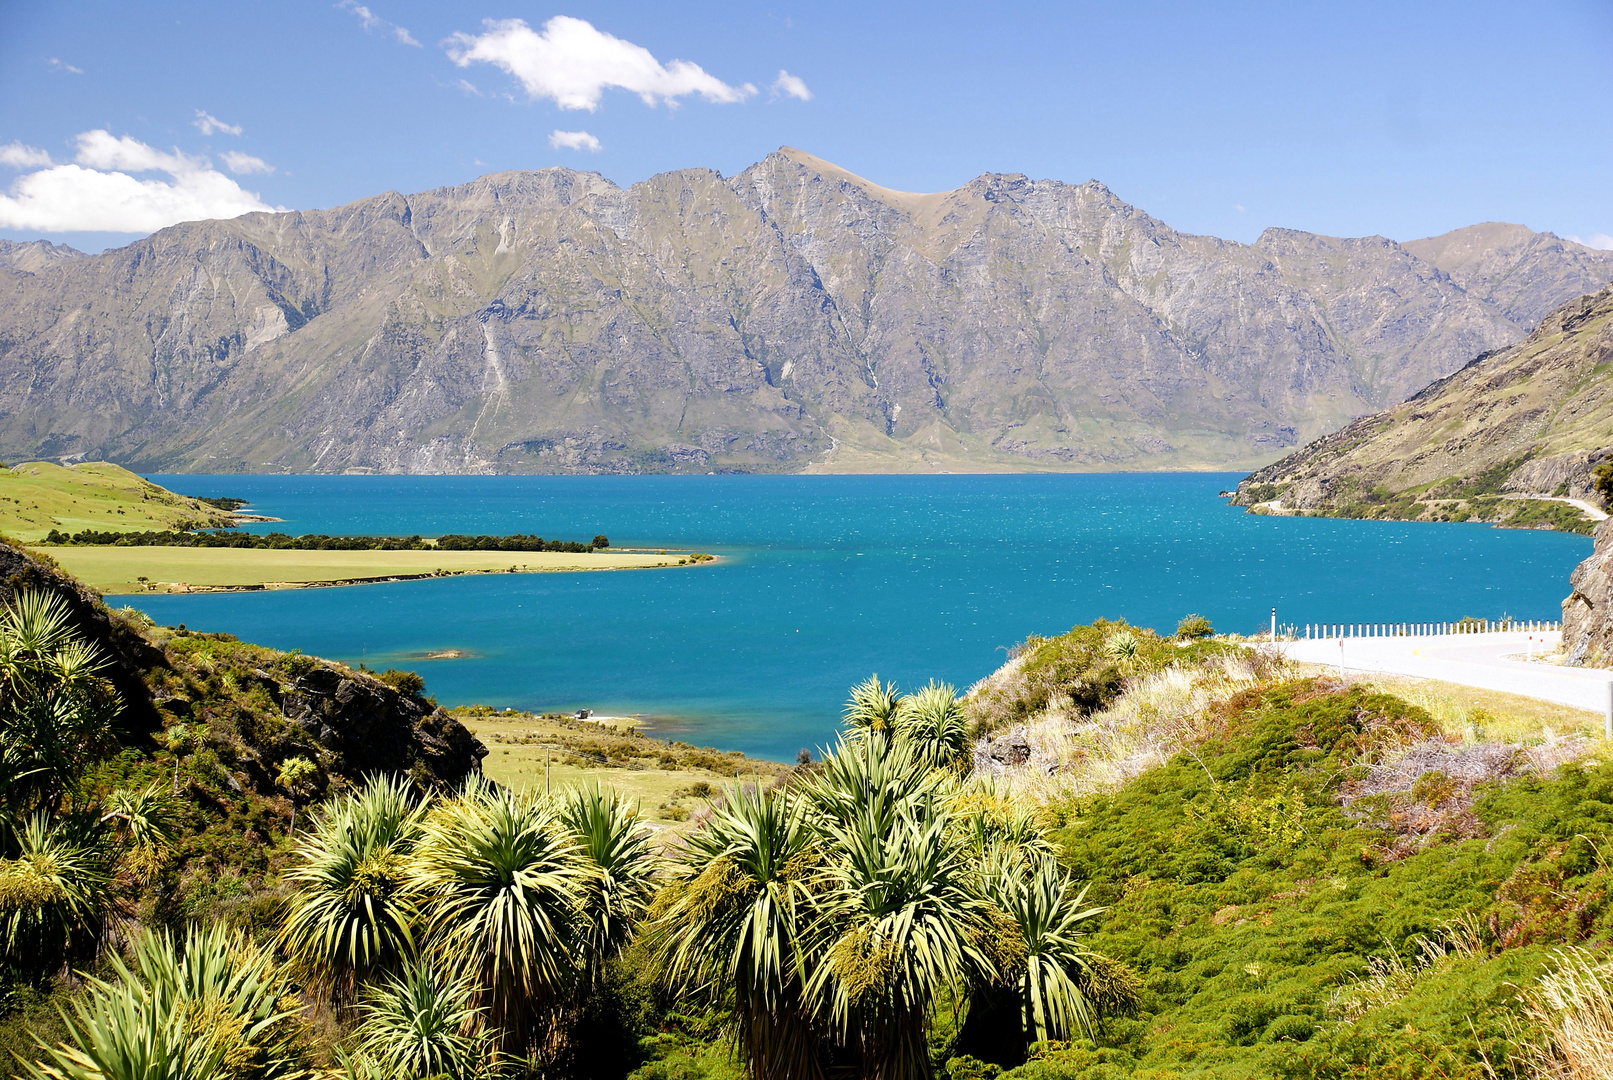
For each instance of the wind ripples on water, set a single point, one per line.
(825, 579)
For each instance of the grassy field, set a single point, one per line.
(181, 569)
(670, 780)
(39, 496)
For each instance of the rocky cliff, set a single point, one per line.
(793, 316)
(1588, 611)
(1499, 440)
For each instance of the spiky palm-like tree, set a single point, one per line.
(871, 712)
(1060, 987)
(503, 889)
(903, 921)
(931, 722)
(421, 1023)
(731, 929)
(53, 895)
(354, 908)
(56, 708)
(621, 864)
(209, 1010)
(876, 777)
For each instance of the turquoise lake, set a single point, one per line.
(825, 579)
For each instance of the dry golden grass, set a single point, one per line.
(1476, 715)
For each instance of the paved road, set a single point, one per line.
(1484, 660)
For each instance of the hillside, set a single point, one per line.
(1533, 419)
(1201, 861)
(791, 317)
(39, 496)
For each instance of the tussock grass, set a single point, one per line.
(1157, 715)
(1572, 1008)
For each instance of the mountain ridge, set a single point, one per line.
(793, 316)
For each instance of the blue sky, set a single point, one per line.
(1403, 119)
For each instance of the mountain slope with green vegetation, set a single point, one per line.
(41, 496)
(1497, 441)
(792, 317)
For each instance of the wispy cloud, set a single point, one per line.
(19, 156)
(1601, 241)
(99, 193)
(575, 140)
(207, 124)
(59, 65)
(242, 164)
(571, 64)
(787, 85)
(371, 21)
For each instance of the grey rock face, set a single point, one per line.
(1588, 611)
(791, 315)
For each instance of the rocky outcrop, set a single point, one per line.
(258, 707)
(369, 727)
(792, 316)
(1588, 611)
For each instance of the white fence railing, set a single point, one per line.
(1329, 631)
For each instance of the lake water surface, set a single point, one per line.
(825, 579)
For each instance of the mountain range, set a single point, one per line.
(793, 317)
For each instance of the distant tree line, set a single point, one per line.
(315, 542)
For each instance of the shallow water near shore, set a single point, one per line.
(825, 579)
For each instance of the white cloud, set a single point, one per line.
(1601, 241)
(240, 163)
(365, 15)
(571, 64)
(370, 21)
(98, 194)
(575, 140)
(19, 156)
(790, 86)
(207, 123)
(57, 65)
